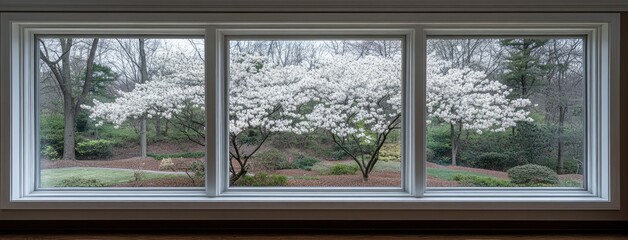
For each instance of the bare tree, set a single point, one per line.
(60, 68)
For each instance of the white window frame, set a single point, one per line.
(18, 113)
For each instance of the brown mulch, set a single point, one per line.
(376, 179)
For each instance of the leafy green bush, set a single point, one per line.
(177, 155)
(81, 182)
(438, 141)
(305, 163)
(121, 136)
(390, 153)
(50, 153)
(94, 149)
(272, 159)
(532, 174)
(479, 181)
(343, 169)
(51, 134)
(262, 180)
(491, 160)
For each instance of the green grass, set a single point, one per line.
(109, 177)
(177, 155)
(448, 174)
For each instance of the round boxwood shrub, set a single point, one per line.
(532, 174)
(94, 149)
(272, 159)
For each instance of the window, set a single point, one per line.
(313, 113)
(135, 107)
(216, 111)
(506, 112)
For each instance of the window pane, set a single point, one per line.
(506, 112)
(121, 112)
(315, 113)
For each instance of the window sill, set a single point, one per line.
(433, 200)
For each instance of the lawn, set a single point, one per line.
(448, 174)
(109, 177)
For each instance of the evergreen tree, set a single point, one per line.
(525, 67)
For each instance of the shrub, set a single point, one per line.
(305, 163)
(94, 149)
(51, 134)
(272, 159)
(343, 169)
(262, 180)
(121, 136)
(390, 153)
(50, 153)
(491, 160)
(532, 174)
(479, 181)
(81, 182)
(166, 164)
(196, 172)
(177, 155)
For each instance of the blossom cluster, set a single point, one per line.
(466, 97)
(342, 94)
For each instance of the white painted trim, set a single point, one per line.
(316, 6)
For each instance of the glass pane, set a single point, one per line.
(506, 112)
(121, 112)
(315, 113)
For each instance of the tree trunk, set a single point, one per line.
(144, 77)
(143, 136)
(561, 121)
(68, 103)
(454, 145)
(68, 129)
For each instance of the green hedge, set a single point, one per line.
(94, 149)
(479, 181)
(262, 180)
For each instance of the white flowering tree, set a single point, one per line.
(359, 104)
(468, 101)
(264, 98)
